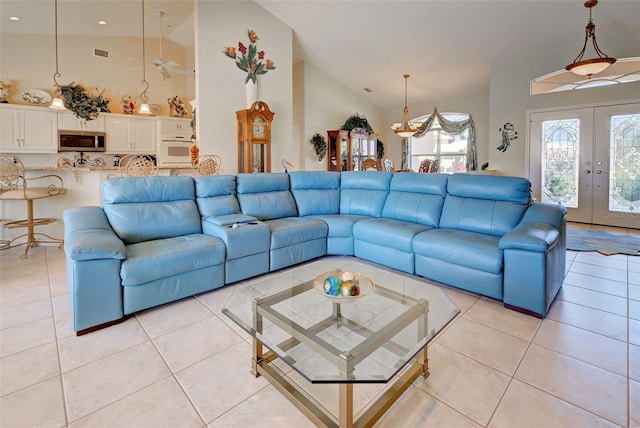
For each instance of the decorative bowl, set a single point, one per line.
(344, 284)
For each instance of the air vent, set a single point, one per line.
(101, 52)
(367, 90)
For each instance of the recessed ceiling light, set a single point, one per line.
(14, 18)
(102, 22)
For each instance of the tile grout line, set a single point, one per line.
(171, 373)
(513, 376)
(55, 333)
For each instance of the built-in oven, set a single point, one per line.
(81, 141)
(174, 150)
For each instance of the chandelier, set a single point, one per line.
(405, 129)
(589, 67)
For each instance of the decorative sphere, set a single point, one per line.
(347, 276)
(332, 285)
(356, 290)
(348, 288)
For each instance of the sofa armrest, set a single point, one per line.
(539, 230)
(550, 214)
(530, 236)
(89, 236)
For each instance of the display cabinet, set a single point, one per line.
(347, 150)
(254, 138)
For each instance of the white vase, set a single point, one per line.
(252, 92)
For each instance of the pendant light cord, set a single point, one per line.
(143, 95)
(406, 78)
(56, 75)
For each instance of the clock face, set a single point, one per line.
(259, 128)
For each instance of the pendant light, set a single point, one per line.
(144, 105)
(57, 103)
(589, 67)
(405, 129)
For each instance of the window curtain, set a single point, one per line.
(455, 128)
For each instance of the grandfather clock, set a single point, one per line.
(254, 138)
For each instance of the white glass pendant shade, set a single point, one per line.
(590, 67)
(144, 109)
(57, 104)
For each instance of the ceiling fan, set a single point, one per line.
(168, 67)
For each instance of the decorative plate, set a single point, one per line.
(155, 109)
(343, 283)
(36, 96)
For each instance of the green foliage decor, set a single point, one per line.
(380, 149)
(356, 121)
(83, 105)
(319, 145)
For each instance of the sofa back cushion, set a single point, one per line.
(417, 198)
(485, 203)
(316, 192)
(363, 192)
(146, 208)
(216, 195)
(266, 196)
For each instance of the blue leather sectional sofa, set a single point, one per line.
(159, 239)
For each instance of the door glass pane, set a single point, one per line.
(624, 178)
(560, 156)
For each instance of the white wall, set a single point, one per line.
(220, 86)
(510, 99)
(323, 104)
(28, 61)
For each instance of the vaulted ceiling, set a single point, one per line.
(446, 46)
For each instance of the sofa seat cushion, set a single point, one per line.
(295, 230)
(151, 260)
(340, 225)
(460, 247)
(388, 232)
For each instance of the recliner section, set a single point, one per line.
(159, 239)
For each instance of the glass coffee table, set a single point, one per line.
(378, 338)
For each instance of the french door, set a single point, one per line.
(588, 159)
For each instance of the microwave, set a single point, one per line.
(81, 141)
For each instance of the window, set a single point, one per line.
(438, 150)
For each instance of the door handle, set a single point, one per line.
(599, 171)
(588, 171)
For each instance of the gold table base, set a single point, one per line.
(315, 412)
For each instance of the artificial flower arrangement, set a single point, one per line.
(176, 107)
(83, 105)
(249, 59)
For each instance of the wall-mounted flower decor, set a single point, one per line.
(249, 59)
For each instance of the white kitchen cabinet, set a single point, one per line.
(69, 122)
(174, 126)
(126, 134)
(26, 129)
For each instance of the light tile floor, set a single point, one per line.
(186, 365)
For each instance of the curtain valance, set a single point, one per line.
(455, 128)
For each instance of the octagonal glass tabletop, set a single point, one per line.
(367, 340)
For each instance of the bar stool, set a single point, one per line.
(138, 165)
(207, 165)
(14, 187)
